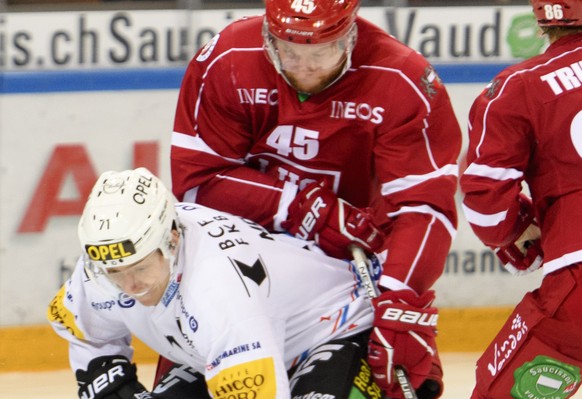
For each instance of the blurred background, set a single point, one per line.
(35, 5)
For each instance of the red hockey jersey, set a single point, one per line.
(383, 136)
(527, 126)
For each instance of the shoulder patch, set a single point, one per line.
(492, 88)
(58, 312)
(207, 49)
(430, 82)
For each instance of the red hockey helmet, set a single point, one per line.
(310, 21)
(558, 12)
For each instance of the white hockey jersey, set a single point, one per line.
(242, 302)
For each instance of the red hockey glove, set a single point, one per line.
(318, 214)
(404, 335)
(524, 254)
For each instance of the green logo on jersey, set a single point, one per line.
(523, 37)
(545, 378)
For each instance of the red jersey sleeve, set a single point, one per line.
(212, 135)
(416, 161)
(497, 157)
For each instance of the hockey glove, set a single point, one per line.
(110, 377)
(404, 335)
(524, 253)
(318, 214)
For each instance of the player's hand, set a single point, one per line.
(403, 335)
(524, 252)
(318, 214)
(110, 377)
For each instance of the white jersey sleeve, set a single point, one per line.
(89, 319)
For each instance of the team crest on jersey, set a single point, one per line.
(491, 88)
(430, 82)
(257, 272)
(207, 49)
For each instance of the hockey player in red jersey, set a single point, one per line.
(526, 127)
(311, 120)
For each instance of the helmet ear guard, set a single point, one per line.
(557, 12)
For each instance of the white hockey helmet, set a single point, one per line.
(128, 215)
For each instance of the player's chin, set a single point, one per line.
(147, 298)
(308, 84)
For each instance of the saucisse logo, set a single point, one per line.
(111, 251)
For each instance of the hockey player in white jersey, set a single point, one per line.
(246, 314)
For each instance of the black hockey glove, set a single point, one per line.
(110, 377)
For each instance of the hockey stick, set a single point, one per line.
(361, 262)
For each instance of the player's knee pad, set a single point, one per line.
(522, 362)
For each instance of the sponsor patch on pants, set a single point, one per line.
(545, 378)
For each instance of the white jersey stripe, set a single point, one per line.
(419, 251)
(563, 261)
(427, 210)
(493, 173)
(196, 143)
(482, 219)
(410, 181)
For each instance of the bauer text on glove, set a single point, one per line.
(318, 214)
(403, 335)
(110, 377)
